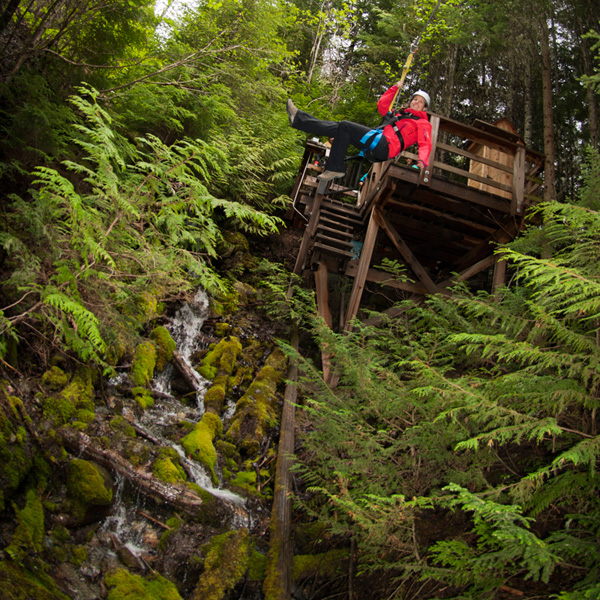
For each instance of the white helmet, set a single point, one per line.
(424, 95)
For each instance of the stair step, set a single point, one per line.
(341, 233)
(332, 241)
(336, 223)
(348, 210)
(326, 249)
(342, 217)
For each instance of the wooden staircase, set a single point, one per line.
(338, 226)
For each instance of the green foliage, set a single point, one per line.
(132, 218)
(503, 545)
(471, 405)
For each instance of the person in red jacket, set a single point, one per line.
(400, 129)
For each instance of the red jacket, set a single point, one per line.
(412, 131)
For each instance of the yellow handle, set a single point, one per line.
(409, 60)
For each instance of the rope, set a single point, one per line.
(413, 49)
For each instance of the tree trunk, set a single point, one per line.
(549, 147)
(209, 508)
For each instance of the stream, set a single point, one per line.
(124, 521)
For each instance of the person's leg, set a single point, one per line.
(348, 133)
(304, 121)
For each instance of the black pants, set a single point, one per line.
(343, 133)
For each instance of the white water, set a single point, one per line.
(185, 329)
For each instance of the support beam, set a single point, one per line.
(309, 232)
(322, 288)
(406, 252)
(361, 275)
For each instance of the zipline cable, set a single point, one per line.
(413, 49)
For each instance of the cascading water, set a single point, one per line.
(185, 329)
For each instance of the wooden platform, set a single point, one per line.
(440, 225)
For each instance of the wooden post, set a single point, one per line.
(427, 173)
(406, 253)
(322, 288)
(518, 182)
(363, 268)
(309, 232)
(278, 569)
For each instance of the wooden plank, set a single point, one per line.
(332, 241)
(516, 207)
(469, 272)
(475, 157)
(278, 566)
(361, 274)
(426, 174)
(386, 279)
(322, 290)
(310, 229)
(406, 253)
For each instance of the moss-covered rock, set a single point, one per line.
(127, 586)
(214, 398)
(226, 559)
(55, 378)
(17, 583)
(199, 442)
(144, 364)
(28, 536)
(257, 411)
(224, 355)
(167, 468)
(89, 488)
(16, 454)
(165, 346)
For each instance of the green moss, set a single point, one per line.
(29, 533)
(226, 559)
(55, 378)
(79, 554)
(214, 398)
(165, 346)
(199, 443)
(328, 564)
(80, 391)
(256, 566)
(87, 486)
(143, 397)
(144, 363)
(224, 355)
(18, 583)
(121, 425)
(207, 371)
(16, 455)
(167, 470)
(257, 411)
(127, 586)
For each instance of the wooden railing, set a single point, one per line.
(482, 156)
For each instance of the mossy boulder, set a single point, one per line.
(214, 398)
(55, 378)
(165, 346)
(128, 586)
(89, 489)
(224, 355)
(17, 583)
(226, 560)
(75, 402)
(257, 411)
(167, 468)
(199, 442)
(144, 364)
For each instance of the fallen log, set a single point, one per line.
(190, 375)
(206, 508)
